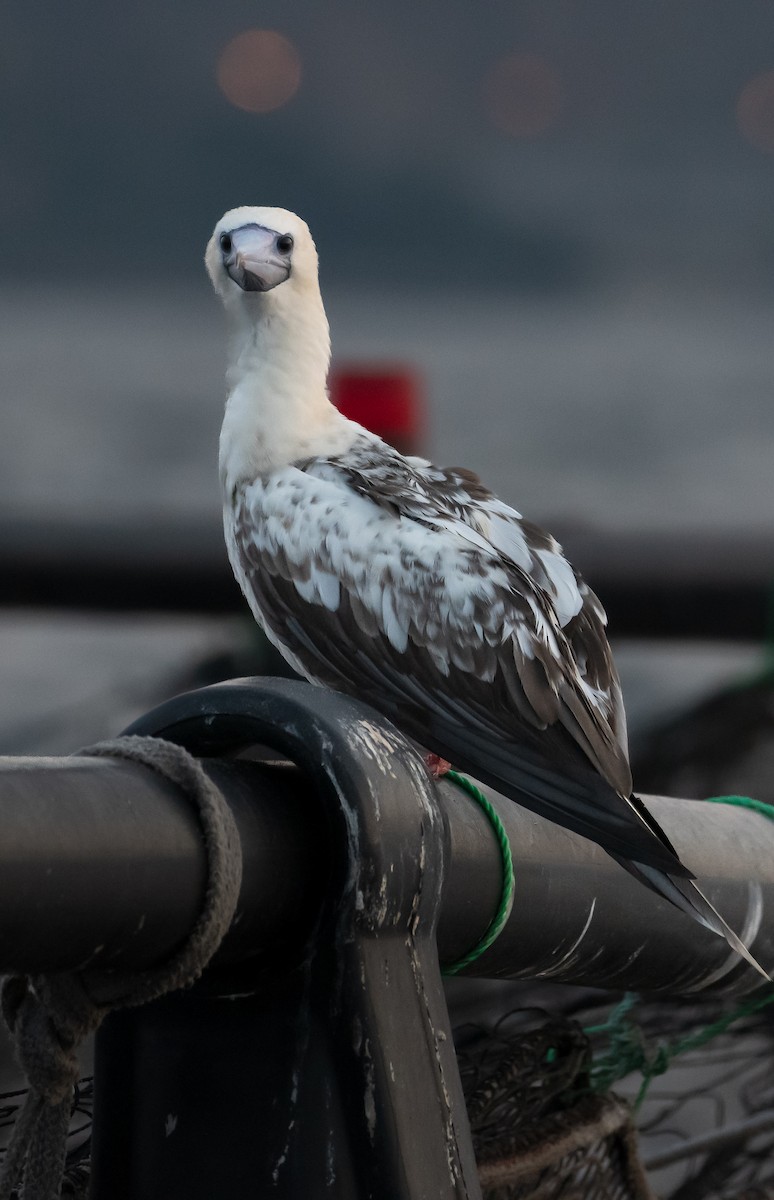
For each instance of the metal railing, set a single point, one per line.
(660, 584)
(315, 1057)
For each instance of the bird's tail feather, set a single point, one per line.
(686, 896)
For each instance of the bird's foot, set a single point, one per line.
(437, 766)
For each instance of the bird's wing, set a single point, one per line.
(371, 586)
(578, 609)
(591, 705)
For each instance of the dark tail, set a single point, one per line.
(686, 896)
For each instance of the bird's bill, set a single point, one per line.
(254, 262)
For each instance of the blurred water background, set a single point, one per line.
(559, 215)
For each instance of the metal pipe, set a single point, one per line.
(662, 584)
(101, 862)
(580, 918)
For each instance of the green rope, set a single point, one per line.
(759, 806)
(506, 896)
(628, 1051)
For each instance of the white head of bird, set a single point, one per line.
(263, 265)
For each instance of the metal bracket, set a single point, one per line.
(338, 1077)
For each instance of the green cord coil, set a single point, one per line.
(759, 806)
(506, 895)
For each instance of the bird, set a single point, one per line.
(411, 586)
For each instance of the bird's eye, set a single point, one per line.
(284, 243)
(225, 242)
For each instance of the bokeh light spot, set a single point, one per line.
(523, 95)
(259, 70)
(755, 112)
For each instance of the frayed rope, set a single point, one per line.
(50, 1015)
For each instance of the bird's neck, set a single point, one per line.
(277, 410)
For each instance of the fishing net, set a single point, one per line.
(625, 1102)
(577, 1095)
(538, 1130)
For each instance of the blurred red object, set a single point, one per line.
(388, 401)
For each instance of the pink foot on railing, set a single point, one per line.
(436, 765)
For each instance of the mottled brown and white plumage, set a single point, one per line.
(411, 586)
